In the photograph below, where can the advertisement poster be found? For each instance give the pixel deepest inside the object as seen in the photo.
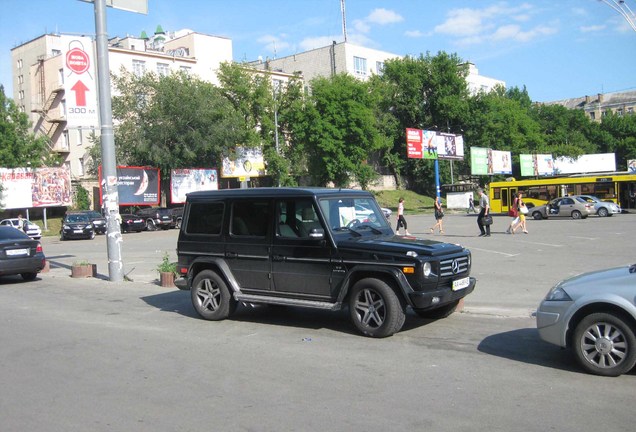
(601, 162)
(414, 143)
(450, 146)
(244, 162)
(536, 165)
(80, 81)
(184, 181)
(35, 187)
(136, 185)
(484, 161)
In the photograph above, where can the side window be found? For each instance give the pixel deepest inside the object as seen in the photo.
(250, 218)
(205, 218)
(296, 218)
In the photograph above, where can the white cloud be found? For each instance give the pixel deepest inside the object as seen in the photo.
(592, 28)
(273, 44)
(496, 23)
(361, 26)
(315, 42)
(413, 34)
(383, 16)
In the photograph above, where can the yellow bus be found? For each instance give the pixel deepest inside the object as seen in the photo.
(617, 187)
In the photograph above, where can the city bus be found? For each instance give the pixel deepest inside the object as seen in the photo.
(617, 187)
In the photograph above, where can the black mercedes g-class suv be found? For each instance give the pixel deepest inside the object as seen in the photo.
(317, 248)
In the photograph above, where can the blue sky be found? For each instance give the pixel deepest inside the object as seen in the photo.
(557, 49)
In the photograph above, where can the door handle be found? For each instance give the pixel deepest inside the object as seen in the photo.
(231, 254)
(278, 258)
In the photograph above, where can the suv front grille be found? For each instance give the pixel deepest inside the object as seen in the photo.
(448, 269)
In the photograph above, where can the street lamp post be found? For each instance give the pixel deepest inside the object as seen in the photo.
(623, 8)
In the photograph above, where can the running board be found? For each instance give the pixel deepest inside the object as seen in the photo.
(251, 298)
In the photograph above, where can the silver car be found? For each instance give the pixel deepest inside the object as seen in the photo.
(570, 206)
(594, 314)
(602, 208)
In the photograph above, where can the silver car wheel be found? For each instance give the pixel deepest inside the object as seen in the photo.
(604, 345)
(370, 308)
(208, 295)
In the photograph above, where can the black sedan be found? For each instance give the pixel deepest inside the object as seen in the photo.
(77, 226)
(132, 222)
(20, 254)
(99, 221)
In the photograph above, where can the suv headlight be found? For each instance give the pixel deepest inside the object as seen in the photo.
(426, 269)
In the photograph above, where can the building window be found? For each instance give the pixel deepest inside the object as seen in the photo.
(592, 115)
(360, 66)
(21, 95)
(55, 52)
(603, 113)
(379, 67)
(19, 63)
(630, 110)
(20, 79)
(139, 67)
(185, 69)
(163, 69)
(60, 74)
(619, 112)
(80, 171)
(64, 144)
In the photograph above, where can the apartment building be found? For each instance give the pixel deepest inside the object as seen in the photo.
(54, 80)
(360, 62)
(597, 107)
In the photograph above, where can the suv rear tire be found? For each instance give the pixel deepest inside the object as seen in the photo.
(211, 297)
(375, 308)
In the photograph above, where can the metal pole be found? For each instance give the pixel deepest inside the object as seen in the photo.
(438, 189)
(110, 196)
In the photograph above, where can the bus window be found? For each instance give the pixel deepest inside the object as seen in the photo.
(504, 198)
(497, 193)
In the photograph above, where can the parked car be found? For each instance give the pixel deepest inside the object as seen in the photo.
(602, 208)
(20, 254)
(594, 314)
(32, 230)
(156, 218)
(132, 222)
(307, 247)
(77, 225)
(570, 206)
(177, 215)
(99, 221)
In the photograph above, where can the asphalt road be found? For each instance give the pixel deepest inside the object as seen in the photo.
(92, 355)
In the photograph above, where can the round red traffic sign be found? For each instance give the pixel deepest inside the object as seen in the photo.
(77, 60)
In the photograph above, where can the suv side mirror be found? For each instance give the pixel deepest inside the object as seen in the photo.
(317, 233)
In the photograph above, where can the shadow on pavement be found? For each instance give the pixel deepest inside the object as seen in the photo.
(524, 345)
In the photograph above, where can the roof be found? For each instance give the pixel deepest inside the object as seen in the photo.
(273, 192)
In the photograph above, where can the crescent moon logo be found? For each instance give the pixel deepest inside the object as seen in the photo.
(143, 186)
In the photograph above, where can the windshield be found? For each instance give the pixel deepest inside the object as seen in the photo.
(354, 213)
(75, 218)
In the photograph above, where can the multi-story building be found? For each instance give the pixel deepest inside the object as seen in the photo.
(45, 68)
(358, 61)
(597, 107)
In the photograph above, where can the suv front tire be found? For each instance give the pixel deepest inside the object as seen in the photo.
(375, 308)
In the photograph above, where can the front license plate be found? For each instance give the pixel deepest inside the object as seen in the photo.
(16, 252)
(460, 284)
(78, 231)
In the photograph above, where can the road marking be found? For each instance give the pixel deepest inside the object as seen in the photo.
(542, 244)
(584, 238)
(495, 252)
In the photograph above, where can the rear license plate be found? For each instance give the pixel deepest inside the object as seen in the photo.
(460, 284)
(16, 252)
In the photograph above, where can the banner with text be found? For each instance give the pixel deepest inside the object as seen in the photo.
(536, 165)
(135, 185)
(80, 81)
(485, 161)
(35, 187)
(425, 144)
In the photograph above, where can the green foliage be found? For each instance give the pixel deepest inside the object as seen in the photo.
(82, 198)
(341, 131)
(18, 145)
(173, 121)
(165, 266)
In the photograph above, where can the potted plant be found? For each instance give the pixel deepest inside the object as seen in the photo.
(167, 271)
(83, 269)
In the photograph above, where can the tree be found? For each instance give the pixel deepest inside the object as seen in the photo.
(341, 131)
(618, 135)
(427, 92)
(172, 121)
(19, 147)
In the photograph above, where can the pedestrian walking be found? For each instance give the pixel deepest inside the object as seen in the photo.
(514, 213)
(439, 216)
(471, 204)
(522, 210)
(401, 222)
(484, 219)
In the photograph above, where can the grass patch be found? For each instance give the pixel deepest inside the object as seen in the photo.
(413, 203)
(54, 224)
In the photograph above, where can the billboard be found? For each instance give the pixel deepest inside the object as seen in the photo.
(536, 165)
(485, 161)
(425, 144)
(80, 81)
(183, 181)
(602, 162)
(35, 187)
(136, 185)
(244, 162)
